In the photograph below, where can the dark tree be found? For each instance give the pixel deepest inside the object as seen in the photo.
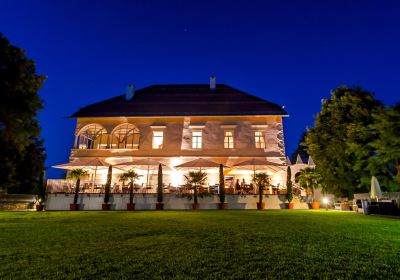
(289, 184)
(221, 184)
(160, 184)
(22, 153)
(107, 187)
(339, 140)
(385, 162)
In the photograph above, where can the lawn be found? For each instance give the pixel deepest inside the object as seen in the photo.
(198, 245)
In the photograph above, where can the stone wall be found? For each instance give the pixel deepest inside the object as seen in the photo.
(171, 202)
(16, 202)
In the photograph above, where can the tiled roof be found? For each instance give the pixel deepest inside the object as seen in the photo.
(183, 100)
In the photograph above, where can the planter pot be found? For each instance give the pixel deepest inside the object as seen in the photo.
(159, 206)
(130, 206)
(315, 205)
(260, 205)
(105, 206)
(74, 207)
(195, 206)
(39, 207)
(222, 206)
(290, 205)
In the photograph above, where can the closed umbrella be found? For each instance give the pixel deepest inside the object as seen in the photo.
(376, 192)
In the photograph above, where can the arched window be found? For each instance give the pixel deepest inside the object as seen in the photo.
(92, 136)
(125, 136)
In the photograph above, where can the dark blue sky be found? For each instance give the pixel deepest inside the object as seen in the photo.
(289, 52)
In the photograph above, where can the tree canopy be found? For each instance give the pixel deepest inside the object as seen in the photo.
(385, 162)
(22, 153)
(349, 142)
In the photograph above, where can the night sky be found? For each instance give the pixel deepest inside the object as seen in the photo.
(288, 52)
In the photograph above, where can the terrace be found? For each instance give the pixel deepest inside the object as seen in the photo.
(88, 187)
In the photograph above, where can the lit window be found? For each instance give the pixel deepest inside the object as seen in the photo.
(259, 139)
(92, 136)
(125, 136)
(196, 139)
(158, 137)
(228, 139)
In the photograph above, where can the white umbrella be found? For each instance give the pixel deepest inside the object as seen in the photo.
(146, 163)
(376, 192)
(86, 164)
(259, 164)
(198, 163)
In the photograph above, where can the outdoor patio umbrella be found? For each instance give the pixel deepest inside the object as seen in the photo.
(376, 192)
(259, 164)
(85, 164)
(198, 163)
(146, 163)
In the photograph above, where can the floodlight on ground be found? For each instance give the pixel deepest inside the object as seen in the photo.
(325, 201)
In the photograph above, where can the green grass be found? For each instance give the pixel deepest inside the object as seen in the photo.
(193, 245)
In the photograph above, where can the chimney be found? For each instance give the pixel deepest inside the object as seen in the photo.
(213, 81)
(130, 92)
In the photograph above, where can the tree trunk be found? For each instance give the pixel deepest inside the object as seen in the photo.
(78, 182)
(260, 193)
(195, 194)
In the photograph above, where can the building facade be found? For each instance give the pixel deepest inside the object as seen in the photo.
(174, 124)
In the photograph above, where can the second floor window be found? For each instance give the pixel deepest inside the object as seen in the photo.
(228, 139)
(92, 136)
(125, 136)
(196, 139)
(158, 138)
(259, 139)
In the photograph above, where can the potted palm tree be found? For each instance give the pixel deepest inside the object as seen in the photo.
(221, 205)
(160, 204)
(310, 180)
(289, 188)
(261, 180)
(76, 174)
(107, 191)
(195, 179)
(130, 176)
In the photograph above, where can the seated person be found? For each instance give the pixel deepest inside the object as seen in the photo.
(237, 186)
